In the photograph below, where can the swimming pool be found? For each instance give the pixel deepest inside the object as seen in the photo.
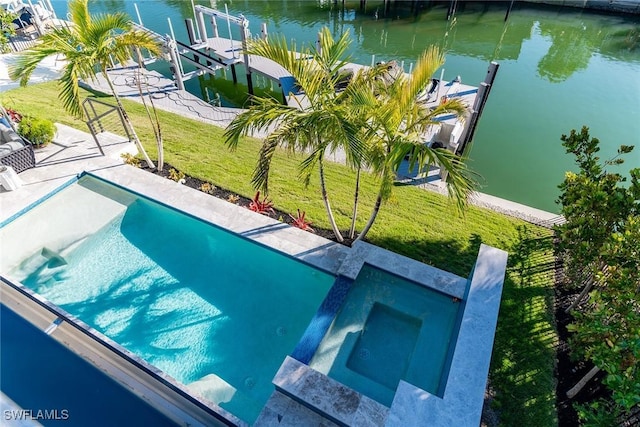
(215, 311)
(35, 373)
(389, 329)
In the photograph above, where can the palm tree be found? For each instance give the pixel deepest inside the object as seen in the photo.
(397, 120)
(320, 122)
(154, 120)
(88, 45)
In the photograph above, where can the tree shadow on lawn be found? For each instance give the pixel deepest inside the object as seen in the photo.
(451, 255)
(522, 368)
(521, 378)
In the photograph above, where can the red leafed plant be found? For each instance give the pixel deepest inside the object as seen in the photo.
(263, 206)
(14, 115)
(300, 222)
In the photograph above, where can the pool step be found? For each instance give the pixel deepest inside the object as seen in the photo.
(43, 259)
(54, 258)
(53, 326)
(328, 398)
(218, 391)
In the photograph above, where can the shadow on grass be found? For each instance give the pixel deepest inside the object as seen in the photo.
(447, 254)
(522, 368)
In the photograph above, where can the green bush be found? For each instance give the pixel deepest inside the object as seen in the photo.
(39, 131)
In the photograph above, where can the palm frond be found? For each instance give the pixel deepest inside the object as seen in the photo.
(460, 180)
(265, 114)
(70, 89)
(308, 165)
(430, 60)
(140, 39)
(260, 179)
(79, 15)
(278, 50)
(332, 55)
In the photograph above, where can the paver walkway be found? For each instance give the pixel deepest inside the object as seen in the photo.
(71, 152)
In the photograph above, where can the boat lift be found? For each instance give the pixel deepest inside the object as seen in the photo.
(199, 39)
(205, 62)
(210, 54)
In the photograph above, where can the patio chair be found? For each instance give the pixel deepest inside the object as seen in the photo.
(15, 151)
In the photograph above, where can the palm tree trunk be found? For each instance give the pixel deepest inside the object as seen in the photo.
(155, 122)
(327, 205)
(136, 140)
(372, 218)
(352, 230)
(376, 207)
(580, 385)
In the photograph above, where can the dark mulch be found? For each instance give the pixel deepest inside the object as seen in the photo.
(568, 371)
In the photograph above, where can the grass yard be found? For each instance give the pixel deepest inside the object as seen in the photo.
(415, 223)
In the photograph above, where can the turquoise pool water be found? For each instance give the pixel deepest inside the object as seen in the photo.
(215, 311)
(36, 373)
(389, 329)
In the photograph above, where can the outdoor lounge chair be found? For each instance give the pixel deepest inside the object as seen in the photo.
(15, 151)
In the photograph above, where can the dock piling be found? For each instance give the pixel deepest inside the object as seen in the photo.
(135, 6)
(197, 32)
(176, 69)
(478, 105)
(245, 38)
(233, 74)
(214, 26)
(202, 27)
(191, 34)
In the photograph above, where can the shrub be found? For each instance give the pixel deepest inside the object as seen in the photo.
(130, 159)
(39, 131)
(176, 175)
(207, 187)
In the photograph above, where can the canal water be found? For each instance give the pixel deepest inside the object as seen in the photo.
(560, 69)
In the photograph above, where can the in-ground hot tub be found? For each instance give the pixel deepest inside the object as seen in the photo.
(389, 329)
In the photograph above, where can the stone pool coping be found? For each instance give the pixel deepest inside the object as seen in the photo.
(307, 247)
(461, 404)
(481, 294)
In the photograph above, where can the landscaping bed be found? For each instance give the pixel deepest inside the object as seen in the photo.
(231, 197)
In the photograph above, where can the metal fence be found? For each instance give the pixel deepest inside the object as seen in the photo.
(104, 120)
(21, 42)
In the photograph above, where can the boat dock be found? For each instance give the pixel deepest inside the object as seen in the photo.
(207, 51)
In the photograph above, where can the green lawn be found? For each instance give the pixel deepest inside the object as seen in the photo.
(415, 223)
